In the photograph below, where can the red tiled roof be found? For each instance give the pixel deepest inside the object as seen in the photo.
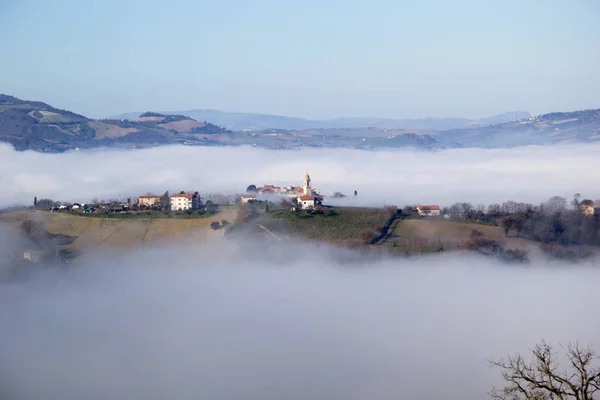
(186, 195)
(249, 196)
(428, 208)
(306, 197)
(269, 188)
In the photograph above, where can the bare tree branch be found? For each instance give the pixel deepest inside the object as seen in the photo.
(542, 378)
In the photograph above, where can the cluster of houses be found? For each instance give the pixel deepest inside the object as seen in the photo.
(181, 201)
(306, 197)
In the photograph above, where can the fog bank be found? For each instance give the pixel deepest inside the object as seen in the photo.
(220, 322)
(530, 174)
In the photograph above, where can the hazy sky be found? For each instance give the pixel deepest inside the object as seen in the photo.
(311, 58)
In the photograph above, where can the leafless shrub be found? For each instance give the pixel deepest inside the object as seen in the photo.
(543, 378)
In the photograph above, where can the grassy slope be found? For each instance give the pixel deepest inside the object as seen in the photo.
(93, 232)
(109, 131)
(413, 235)
(344, 227)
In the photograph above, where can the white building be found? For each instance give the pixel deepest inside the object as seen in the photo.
(148, 200)
(248, 197)
(185, 201)
(307, 201)
(428, 211)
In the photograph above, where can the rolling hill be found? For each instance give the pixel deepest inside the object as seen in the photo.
(33, 125)
(553, 128)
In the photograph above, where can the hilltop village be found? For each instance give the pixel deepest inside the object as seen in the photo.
(506, 230)
(303, 197)
(299, 198)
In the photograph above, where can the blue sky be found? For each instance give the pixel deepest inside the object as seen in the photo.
(311, 58)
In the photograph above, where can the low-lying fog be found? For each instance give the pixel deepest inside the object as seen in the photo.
(529, 174)
(224, 322)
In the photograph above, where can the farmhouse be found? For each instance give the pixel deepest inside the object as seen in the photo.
(148, 201)
(307, 202)
(248, 197)
(185, 201)
(429, 211)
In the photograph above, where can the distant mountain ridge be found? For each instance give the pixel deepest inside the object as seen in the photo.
(34, 125)
(257, 122)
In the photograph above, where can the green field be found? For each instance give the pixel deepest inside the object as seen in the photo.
(343, 227)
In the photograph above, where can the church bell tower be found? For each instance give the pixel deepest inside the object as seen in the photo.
(307, 188)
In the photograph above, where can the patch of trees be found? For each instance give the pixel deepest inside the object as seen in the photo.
(150, 114)
(44, 203)
(251, 189)
(481, 244)
(211, 207)
(166, 118)
(469, 213)
(209, 129)
(566, 227)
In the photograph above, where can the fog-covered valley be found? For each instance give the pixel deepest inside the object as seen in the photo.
(530, 174)
(231, 320)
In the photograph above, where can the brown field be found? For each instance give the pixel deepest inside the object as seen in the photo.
(149, 119)
(183, 126)
(430, 233)
(92, 232)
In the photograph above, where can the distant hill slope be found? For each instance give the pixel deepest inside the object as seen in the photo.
(257, 122)
(554, 128)
(33, 125)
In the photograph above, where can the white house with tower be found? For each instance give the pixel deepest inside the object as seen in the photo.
(309, 199)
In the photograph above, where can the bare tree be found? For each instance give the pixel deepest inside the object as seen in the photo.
(555, 204)
(543, 378)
